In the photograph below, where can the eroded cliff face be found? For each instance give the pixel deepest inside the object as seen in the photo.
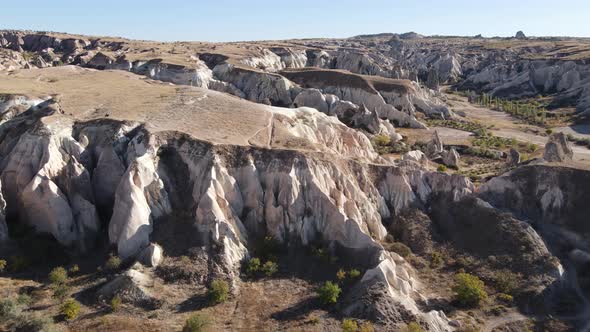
(75, 177)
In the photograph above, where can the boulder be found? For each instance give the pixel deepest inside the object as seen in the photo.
(132, 286)
(513, 158)
(416, 156)
(152, 255)
(558, 149)
(435, 147)
(451, 158)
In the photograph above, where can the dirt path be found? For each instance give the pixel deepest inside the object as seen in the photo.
(510, 127)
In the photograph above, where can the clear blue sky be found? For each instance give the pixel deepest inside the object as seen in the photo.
(232, 20)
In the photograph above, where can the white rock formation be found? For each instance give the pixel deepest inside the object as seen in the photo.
(435, 146)
(152, 255)
(558, 149)
(416, 156)
(451, 158)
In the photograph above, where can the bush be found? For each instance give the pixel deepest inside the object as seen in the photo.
(414, 327)
(549, 131)
(436, 259)
(74, 269)
(354, 273)
(9, 309)
(382, 140)
(505, 298)
(348, 325)
(506, 281)
(469, 289)
(38, 322)
(58, 276)
(185, 260)
(2, 265)
(340, 275)
(116, 303)
(218, 291)
(270, 268)
(113, 263)
(196, 323)
(314, 320)
(70, 309)
(329, 293)
(24, 299)
(366, 327)
(401, 249)
(253, 267)
(441, 168)
(61, 292)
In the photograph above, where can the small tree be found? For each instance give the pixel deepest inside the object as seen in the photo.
(218, 291)
(196, 323)
(70, 309)
(253, 267)
(329, 293)
(2, 265)
(270, 268)
(348, 325)
(58, 276)
(469, 289)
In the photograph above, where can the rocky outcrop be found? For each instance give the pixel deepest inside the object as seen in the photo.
(435, 146)
(416, 156)
(558, 149)
(451, 158)
(136, 286)
(513, 157)
(520, 35)
(3, 226)
(152, 255)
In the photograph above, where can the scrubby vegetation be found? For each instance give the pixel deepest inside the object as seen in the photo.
(113, 263)
(196, 323)
(70, 309)
(469, 289)
(530, 111)
(270, 268)
(2, 265)
(383, 145)
(506, 281)
(349, 325)
(58, 276)
(116, 303)
(218, 291)
(414, 327)
(329, 293)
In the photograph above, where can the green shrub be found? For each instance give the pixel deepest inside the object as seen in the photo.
(367, 327)
(61, 292)
(2, 265)
(505, 298)
(70, 309)
(74, 269)
(185, 260)
(414, 327)
(58, 276)
(436, 259)
(24, 299)
(329, 293)
(401, 249)
(549, 131)
(253, 267)
(270, 268)
(340, 275)
(348, 325)
(116, 303)
(382, 140)
(354, 273)
(469, 289)
(314, 320)
(441, 168)
(9, 309)
(218, 291)
(506, 281)
(113, 263)
(196, 323)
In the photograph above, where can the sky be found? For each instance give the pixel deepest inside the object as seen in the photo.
(239, 20)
